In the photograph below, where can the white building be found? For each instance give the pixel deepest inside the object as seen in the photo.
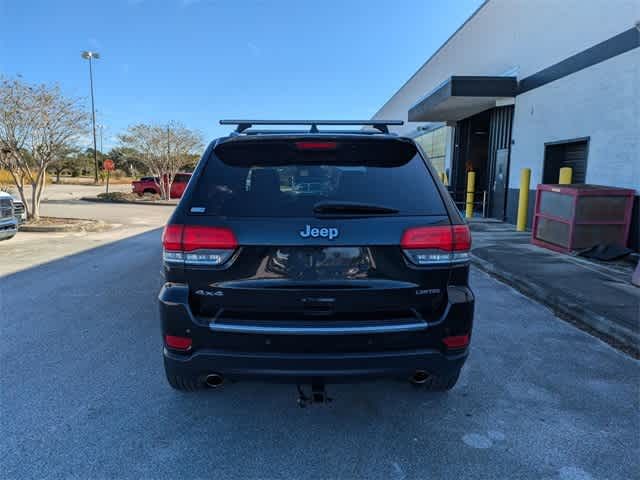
(539, 84)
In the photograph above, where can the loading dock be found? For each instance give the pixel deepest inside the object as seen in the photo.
(481, 111)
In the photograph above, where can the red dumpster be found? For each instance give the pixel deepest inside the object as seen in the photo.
(575, 217)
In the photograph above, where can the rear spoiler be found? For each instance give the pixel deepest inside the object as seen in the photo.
(282, 150)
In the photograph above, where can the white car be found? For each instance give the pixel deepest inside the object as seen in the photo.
(8, 220)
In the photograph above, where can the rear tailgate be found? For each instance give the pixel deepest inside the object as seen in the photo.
(277, 272)
(291, 263)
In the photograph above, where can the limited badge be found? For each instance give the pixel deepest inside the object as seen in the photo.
(428, 291)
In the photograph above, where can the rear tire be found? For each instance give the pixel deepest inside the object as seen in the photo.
(441, 383)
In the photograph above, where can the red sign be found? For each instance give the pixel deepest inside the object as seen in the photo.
(108, 165)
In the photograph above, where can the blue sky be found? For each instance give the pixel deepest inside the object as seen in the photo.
(198, 61)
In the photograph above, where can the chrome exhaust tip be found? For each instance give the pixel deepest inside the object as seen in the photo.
(419, 377)
(214, 380)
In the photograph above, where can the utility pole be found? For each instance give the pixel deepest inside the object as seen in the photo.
(88, 55)
(100, 126)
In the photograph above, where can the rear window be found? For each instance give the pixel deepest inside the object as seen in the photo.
(279, 179)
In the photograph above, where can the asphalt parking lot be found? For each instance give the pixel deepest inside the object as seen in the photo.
(82, 394)
(28, 249)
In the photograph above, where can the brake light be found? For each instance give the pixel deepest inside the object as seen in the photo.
(316, 145)
(456, 342)
(178, 343)
(461, 238)
(172, 237)
(195, 238)
(428, 237)
(197, 245)
(437, 245)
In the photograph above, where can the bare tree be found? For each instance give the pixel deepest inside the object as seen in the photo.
(37, 126)
(164, 149)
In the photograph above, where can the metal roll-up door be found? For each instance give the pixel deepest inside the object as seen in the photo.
(576, 157)
(566, 154)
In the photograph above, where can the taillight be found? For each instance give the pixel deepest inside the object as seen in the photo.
(197, 245)
(172, 237)
(316, 145)
(196, 238)
(177, 343)
(461, 238)
(437, 245)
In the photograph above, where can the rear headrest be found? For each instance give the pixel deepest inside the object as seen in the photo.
(265, 181)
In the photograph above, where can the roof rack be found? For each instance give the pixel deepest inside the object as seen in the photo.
(257, 132)
(243, 125)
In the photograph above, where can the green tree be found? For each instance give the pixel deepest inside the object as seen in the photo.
(65, 161)
(128, 160)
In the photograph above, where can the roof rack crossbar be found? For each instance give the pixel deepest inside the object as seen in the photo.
(381, 125)
(252, 131)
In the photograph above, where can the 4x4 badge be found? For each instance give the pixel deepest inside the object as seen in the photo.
(209, 293)
(316, 232)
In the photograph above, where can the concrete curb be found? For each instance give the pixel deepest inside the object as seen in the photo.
(585, 319)
(132, 202)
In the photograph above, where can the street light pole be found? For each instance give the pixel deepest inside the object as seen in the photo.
(88, 55)
(168, 194)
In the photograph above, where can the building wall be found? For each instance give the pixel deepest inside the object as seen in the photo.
(601, 102)
(518, 37)
(522, 37)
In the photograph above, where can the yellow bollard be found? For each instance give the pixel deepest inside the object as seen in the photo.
(471, 188)
(523, 199)
(441, 175)
(565, 176)
(445, 178)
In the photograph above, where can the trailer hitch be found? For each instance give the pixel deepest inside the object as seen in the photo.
(318, 395)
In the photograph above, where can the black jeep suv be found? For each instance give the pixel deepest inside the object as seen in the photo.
(361, 271)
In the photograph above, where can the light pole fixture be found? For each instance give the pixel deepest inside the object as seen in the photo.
(89, 55)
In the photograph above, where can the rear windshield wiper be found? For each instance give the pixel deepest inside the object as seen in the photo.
(352, 208)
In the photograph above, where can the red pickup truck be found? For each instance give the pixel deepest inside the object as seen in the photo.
(150, 185)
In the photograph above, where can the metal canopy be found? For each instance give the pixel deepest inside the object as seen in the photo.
(461, 97)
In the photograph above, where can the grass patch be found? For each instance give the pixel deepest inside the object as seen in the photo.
(7, 179)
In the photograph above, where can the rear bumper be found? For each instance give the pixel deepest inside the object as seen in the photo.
(336, 358)
(302, 368)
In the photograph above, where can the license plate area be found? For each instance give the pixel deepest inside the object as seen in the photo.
(318, 306)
